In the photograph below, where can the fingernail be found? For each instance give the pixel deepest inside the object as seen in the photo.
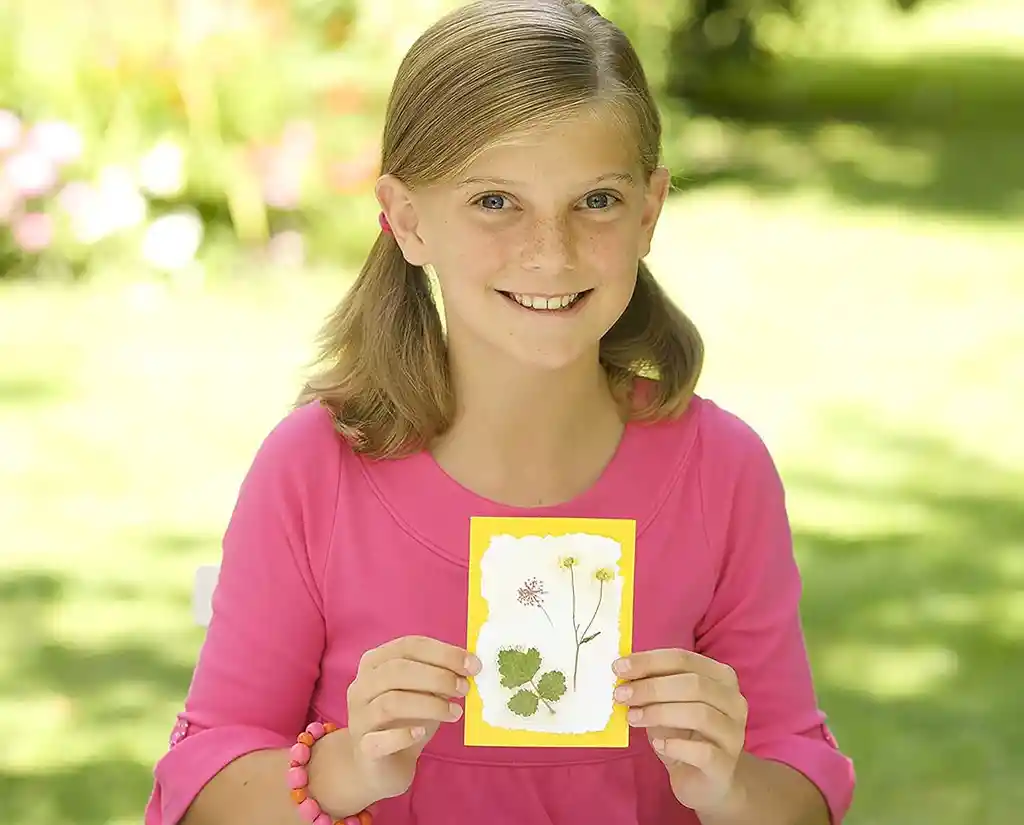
(621, 667)
(659, 745)
(455, 711)
(623, 693)
(634, 715)
(473, 665)
(462, 687)
(418, 733)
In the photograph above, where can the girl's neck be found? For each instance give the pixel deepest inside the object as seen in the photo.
(530, 438)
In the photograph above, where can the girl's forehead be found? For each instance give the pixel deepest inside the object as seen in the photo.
(583, 146)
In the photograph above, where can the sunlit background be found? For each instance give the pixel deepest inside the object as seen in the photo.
(185, 191)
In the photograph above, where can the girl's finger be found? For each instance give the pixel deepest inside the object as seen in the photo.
(381, 743)
(705, 756)
(665, 662)
(409, 675)
(703, 719)
(400, 706)
(683, 687)
(422, 649)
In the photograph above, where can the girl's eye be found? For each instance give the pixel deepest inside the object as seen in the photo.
(493, 203)
(600, 200)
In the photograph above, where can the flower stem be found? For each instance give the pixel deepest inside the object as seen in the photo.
(575, 628)
(600, 595)
(579, 638)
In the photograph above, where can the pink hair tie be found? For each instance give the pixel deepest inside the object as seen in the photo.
(298, 779)
(384, 225)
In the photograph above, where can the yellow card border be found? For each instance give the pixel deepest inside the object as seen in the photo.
(482, 529)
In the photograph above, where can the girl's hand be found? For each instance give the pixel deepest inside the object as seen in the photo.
(695, 717)
(401, 695)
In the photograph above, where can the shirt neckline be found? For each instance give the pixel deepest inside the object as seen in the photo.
(435, 509)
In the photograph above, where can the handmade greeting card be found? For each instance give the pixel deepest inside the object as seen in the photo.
(550, 610)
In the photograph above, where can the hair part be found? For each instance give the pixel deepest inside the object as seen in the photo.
(480, 75)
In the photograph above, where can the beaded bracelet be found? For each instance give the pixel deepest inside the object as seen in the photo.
(298, 779)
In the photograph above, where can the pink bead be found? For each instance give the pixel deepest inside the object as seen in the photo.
(352, 820)
(300, 753)
(323, 819)
(309, 810)
(297, 778)
(316, 730)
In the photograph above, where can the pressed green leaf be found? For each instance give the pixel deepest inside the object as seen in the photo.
(590, 638)
(517, 667)
(524, 703)
(551, 686)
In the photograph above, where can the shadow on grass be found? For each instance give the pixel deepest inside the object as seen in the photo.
(24, 390)
(936, 133)
(94, 793)
(918, 635)
(115, 689)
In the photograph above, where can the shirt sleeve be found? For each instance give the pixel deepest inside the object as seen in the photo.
(253, 684)
(753, 624)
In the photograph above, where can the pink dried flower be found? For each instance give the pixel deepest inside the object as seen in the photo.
(532, 594)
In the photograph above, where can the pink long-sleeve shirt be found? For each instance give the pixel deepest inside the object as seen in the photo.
(329, 554)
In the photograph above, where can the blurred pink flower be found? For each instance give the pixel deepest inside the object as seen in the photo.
(61, 142)
(10, 130)
(76, 197)
(33, 232)
(357, 173)
(287, 249)
(83, 204)
(9, 201)
(31, 173)
(299, 138)
(282, 187)
(284, 166)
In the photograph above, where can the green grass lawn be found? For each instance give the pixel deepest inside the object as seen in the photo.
(860, 288)
(873, 350)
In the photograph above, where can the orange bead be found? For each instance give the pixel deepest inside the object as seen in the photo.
(365, 818)
(306, 739)
(299, 796)
(330, 727)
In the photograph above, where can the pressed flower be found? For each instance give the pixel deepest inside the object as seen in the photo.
(604, 574)
(531, 594)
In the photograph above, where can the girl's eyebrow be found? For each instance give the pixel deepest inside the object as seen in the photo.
(621, 177)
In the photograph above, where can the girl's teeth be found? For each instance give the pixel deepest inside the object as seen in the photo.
(537, 302)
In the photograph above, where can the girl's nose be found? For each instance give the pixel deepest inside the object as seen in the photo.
(549, 248)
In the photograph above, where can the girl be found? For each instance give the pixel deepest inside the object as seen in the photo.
(521, 165)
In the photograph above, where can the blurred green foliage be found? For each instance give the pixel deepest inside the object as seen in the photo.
(159, 133)
(250, 119)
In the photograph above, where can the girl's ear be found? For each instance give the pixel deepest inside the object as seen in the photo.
(396, 202)
(654, 200)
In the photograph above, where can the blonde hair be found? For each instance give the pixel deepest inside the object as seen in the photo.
(483, 72)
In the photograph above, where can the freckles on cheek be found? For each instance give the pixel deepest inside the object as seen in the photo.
(606, 250)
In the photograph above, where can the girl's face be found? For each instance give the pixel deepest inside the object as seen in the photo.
(536, 244)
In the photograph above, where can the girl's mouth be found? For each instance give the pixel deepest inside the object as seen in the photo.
(548, 303)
